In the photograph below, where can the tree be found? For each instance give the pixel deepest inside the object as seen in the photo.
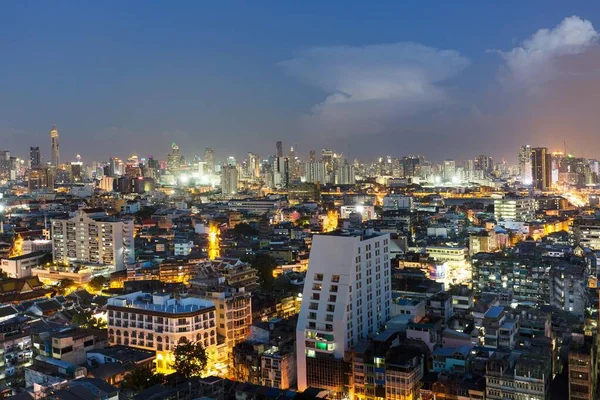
(86, 320)
(244, 229)
(145, 213)
(141, 378)
(97, 283)
(264, 264)
(190, 359)
(65, 286)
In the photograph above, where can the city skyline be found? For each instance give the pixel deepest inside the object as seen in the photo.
(241, 80)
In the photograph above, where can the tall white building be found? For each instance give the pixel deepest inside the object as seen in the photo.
(346, 298)
(92, 236)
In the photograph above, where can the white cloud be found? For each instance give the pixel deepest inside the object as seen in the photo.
(369, 86)
(535, 60)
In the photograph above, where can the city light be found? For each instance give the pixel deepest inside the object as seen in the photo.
(214, 249)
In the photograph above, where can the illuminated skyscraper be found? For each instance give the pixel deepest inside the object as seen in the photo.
(279, 147)
(253, 166)
(525, 164)
(541, 168)
(174, 160)
(55, 146)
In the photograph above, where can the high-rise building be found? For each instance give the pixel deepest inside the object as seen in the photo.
(92, 236)
(279, 148)
(449, 170)
(55, 146)
(281, 172)
(40, 178)
(35, 158)
(541, 168)
(253, 166)
(346, 299)
(312, 155)
(515, 209)
(484, 163)
(315, 172)
(209, 158)
(229, 179)
(345, 175)
(174, 160)
(5, 165)
(525, 164)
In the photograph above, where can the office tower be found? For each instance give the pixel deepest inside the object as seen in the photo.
(35, 158)
(449, 170)
(229, 180)
(209, 158)
(279, 147)
(541, 168)
(174, 160)
(55, 146)
(312, 155)
(525, 164)
(292, 165)
(346, 298)
(93, 237)
(76, 167)
(40, 178)
(253, 166)
(409, 165)
(281, 172)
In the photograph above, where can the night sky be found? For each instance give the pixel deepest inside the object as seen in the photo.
(443, 79)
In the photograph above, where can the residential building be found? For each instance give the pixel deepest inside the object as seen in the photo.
(515, 209)
(347, 297)
(159, 322)
(92, 236)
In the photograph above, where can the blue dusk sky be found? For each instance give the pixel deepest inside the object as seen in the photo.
(446, 79)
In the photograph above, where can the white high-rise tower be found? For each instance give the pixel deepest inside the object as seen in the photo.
(347, 296)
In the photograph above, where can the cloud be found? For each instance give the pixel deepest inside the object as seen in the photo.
(369, 87)
(535, 61)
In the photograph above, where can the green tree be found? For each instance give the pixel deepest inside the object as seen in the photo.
(264, 264)
(97, 283)
(190, 359)
(141, 378)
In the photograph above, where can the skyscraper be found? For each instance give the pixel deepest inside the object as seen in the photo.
(541, 168)
(35, 157)
(229, 179)
(55, 146)
(346, 299)
(525, 164)
(279, 146)
(253, 166)
(174, 160)
(281, 172)
(449, 170)
(209, 158)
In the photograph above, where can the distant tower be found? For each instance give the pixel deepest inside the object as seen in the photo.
(35, 157)
(279, 146)
(55, 146)
(209, 158)
(541, 168)
(174, 160)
